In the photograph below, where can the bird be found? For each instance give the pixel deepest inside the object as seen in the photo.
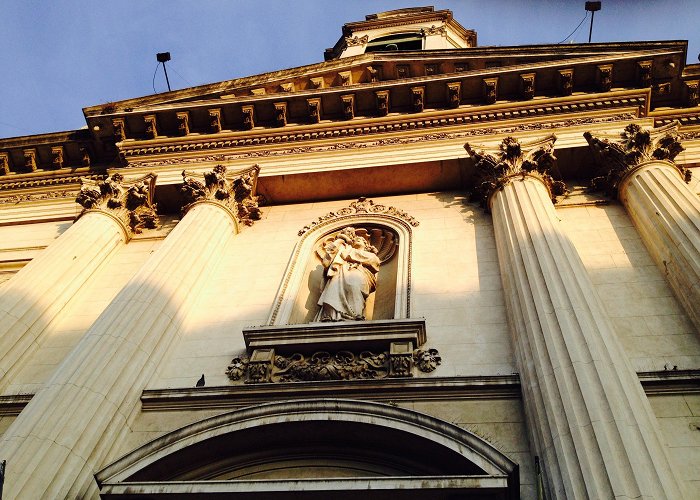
(200, 382)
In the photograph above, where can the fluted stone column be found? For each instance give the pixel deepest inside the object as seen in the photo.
(589, 420)
(114, 209)
(66, 432)
(666, 212)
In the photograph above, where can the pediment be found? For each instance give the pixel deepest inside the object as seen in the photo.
(328, 75)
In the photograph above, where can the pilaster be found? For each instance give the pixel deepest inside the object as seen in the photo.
(638, 168)
(29, 302)
(65, 434)
(589, 421)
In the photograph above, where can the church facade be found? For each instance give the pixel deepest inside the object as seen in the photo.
(418, 269)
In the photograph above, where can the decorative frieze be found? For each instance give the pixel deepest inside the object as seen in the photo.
(151, 126)
(565, 81)
(280, 114)
(418, 98)
(432, 69)
(360, 130)
(527, 85)
(382, 97)
(403, 71)
(248, 113)
(131, 202)
(496, 168)
(234, 191)
(348, 106)
(265, 366)
(57, 160)
(260, 91)
(30, 160)
(489, 89)
(314, 110)
(635, 145)
(287, 87)
(454, 94)
(215, 120)
(361, 206)
(183, 122)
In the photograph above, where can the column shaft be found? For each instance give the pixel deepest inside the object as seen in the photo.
(65, 433)
(40, 290)
(589, 419)
(666, 214)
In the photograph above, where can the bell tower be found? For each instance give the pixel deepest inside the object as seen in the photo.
(411, 29)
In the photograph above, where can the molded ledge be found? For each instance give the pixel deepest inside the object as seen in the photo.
(343, 335)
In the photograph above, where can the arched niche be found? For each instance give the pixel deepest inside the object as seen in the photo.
(296, 301)
(296, 449)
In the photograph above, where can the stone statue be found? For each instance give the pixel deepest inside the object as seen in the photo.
(350, 276)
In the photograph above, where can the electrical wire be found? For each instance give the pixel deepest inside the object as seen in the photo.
(182, 77)
(577, 27)
(154, 78)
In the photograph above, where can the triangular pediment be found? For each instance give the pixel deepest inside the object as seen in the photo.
(333, 74)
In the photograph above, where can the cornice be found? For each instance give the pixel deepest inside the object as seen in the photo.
(45, 180)
(365, 127)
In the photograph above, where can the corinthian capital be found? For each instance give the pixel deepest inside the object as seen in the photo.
(619, 155)
(131, 202)
(233, 190)
(511, 160)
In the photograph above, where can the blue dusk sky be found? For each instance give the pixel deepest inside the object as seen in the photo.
(60, 56)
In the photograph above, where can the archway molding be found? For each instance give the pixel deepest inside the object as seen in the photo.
(143, 468)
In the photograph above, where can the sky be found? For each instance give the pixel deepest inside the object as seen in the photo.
(60, 56)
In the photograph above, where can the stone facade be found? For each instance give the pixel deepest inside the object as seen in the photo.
(532, 327)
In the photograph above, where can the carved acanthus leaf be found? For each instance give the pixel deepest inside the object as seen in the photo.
(618, 155)
(233, 190)
(495, 169)
(130, 201)
(361, 206)
(264, 366)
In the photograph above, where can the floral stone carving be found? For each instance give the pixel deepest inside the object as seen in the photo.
(130, 201)
(635, 145)
(361, 206)
(234, 190)
(264, 366)
(510, 161)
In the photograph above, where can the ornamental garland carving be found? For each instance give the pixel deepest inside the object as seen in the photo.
(356, 40)
(494, 171)
(233, 190)
(130, 201)
(361, 206)
(437, 136)
(264, 366)
(634, 146)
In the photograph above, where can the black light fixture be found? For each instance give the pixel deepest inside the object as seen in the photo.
(163, 57)
(592, 7)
